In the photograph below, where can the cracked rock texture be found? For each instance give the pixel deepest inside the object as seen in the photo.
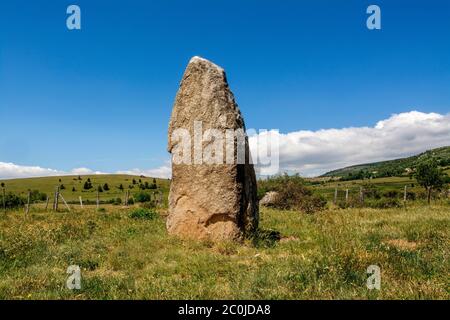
(210, 201)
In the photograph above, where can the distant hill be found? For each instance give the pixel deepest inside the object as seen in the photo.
(389, 168)
(72, 187)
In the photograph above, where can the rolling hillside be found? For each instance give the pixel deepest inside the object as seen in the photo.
(74, 187)
(390, 168)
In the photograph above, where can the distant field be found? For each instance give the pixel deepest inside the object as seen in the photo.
(321, 256)
(383, 184)
(48, 185)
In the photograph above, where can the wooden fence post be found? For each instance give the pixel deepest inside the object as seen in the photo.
(28, 203)
(56, 203)
(361, 195)
(98, 200)
(4, 199)
(68, 208)
(346, 195)
(126, 198)
(46, 202)
(81, 202)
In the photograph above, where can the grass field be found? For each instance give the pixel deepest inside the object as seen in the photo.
(48, 185)
(324, 255)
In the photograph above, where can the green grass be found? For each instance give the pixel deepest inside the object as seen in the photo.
(48, 184)
(397, 165)
(323, 255)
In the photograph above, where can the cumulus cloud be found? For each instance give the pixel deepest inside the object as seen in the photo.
(312, 153)
(13, 171)
(10, 170)
(315, 152)
(164, 171)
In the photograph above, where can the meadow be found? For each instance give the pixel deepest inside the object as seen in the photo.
(320, 256)
(73, 186)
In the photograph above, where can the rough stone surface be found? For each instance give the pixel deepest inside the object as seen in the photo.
(209, 201)
(269, 198)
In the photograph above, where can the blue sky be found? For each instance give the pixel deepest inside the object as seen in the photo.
(101, 97)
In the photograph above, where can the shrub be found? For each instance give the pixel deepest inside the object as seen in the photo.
(265, 238)
(391, 194)
(294, 195)
(35, 195)
(143, 213)
(142, 197)
(130, 201)
(87, 185)
(290, 192)
(14, 201)
(410, 195)
(117, 201)
(148, 205)
(385, 203)
(371, 191)
(311, 204)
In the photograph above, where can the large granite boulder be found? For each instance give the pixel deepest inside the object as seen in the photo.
(209, 198)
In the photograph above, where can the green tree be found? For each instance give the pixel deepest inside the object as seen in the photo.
(430, 176)
(100, 189)
(121, 187)
(3, 184)
(106, 187)
(87, 185)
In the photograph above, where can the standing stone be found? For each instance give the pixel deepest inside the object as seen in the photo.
(210, 201)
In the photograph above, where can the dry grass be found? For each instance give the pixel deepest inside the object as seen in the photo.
(321, 256)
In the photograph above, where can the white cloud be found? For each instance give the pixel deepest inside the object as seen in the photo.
(164, 171)
(10, 170)
(315, 152)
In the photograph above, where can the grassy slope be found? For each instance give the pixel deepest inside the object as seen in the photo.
(327, 257)
(443, 153)
(48, 185)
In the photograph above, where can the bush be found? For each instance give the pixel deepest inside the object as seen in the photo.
(392, 194)
(265, 238)
(371, 191)
(13, 201)
(37, 196)
(410, 196)
(148, 205)
(313, 203)
(293, 194)
(384, 203)
(142, 213)
(117, 201)
(142, 197)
